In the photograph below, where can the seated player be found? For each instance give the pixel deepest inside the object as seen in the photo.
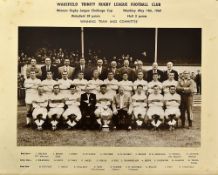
(154, 82)
(31, 85)
(40, 102)
(139, 103)
(122, 110)
(127, 85)
(169, 82)
(140, 81)
(72, 114)
(56, 105)
(112, 84)
(80, 82)
(95, 82)
(48, 84)
(103, 112)
(172, 113)
(64, 84)
(155, 112)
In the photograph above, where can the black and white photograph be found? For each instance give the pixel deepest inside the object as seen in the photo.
(109, 87)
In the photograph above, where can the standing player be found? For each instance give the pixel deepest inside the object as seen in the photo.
(72, 114)
(40, 103)
(154, 82)
(111, 83)
(103, 111)
(64, 84)
(31, 85)
(139, 103)
(56, 105)
(155, 112)
(95, 83)
(172, 113)
(169, 82)
(80, 83)
(48, 84)
(140, 81)
(127, 85)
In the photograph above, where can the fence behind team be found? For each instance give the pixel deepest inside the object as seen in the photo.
(109, 86)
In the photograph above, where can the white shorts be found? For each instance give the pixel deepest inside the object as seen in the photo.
(139, 110)
(155, 111)
(174, 111)
(42, 111)
(72, 110)
(29, 98)
(58, 111)
(105, 113)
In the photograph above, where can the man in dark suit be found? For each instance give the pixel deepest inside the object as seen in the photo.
(101, 69)
(156, 71)
(82, 67)
(87, 107)
(126, 69)
(113, 68)
(170, 70)
(49, 68)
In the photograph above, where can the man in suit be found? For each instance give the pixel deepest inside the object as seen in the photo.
(82, 67)
(198, 81)
(66, 68)
(33, 67)
(185, 88)
(113, 68)
(126, 69)
(154, 70)
(139, 68)
(87, 107)
(49, 68)
(101, 69)
(122, 110)
(170, 70)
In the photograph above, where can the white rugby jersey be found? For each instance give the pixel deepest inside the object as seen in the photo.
(95, 85)
(48, 85)
(127, 85)
(168, 83)
(80, 84)
(104, 99)
(152, 84)
(40, 101)
(171, 100)
(73, 99)
(111, 84)
(139, 100)
(142, 82)
(56, 101)
(64, 84)
(31, 85)
(158, 100)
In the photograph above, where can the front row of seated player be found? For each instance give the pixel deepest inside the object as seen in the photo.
(90, 111)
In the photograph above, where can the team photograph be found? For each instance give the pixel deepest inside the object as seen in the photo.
(121, 87)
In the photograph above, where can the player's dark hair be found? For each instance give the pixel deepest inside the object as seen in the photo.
(139, 85)
(72, 86)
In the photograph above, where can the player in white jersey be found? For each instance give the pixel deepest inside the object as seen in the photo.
(140, 81)
(139, 103)
(154, 82)
(95, 83)
(169, 82)
(31, 85)
(80, 83)
(56, 105)
(64, 84)
(172, 101)
(155, 112)
(48, 84)
(127, 85)
(40, 102)
(72, 114)
(103, 111)
(112, 84)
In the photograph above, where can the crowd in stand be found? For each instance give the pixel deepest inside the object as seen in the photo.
(97, 93)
